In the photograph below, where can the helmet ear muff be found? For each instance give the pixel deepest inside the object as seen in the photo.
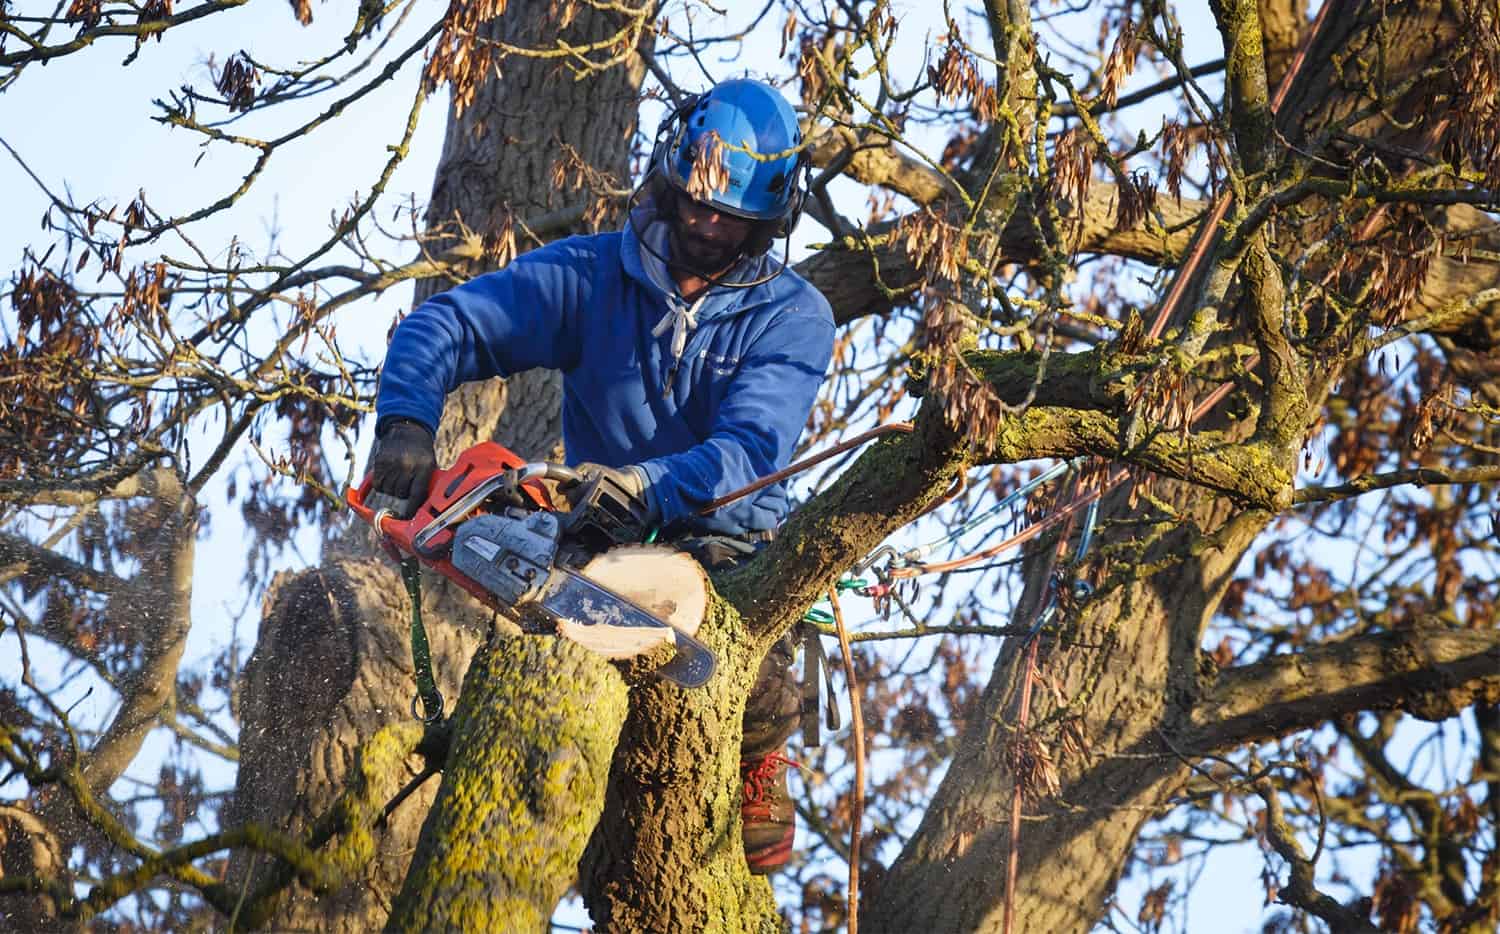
(783, 226)
(669, 133)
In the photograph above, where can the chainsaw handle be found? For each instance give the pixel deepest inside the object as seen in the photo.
(484, 460)
(558, 473)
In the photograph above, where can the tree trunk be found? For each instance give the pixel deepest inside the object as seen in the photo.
(1115, 712)
(331, 668)
(1123, 676)
(332, 663)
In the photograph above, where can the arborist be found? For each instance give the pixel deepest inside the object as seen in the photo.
(691, 357)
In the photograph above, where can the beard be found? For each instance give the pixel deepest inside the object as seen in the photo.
(700, 255)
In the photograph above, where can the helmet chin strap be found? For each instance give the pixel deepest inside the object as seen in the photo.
(715, 280)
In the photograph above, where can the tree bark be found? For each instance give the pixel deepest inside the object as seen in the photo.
(532, 740)
(331, 668)
(332, 663)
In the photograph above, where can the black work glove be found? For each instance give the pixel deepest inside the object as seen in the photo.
(629, 482)
(401, 466)
(608, 506)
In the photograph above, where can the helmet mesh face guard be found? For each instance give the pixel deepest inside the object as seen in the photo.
(736, 149)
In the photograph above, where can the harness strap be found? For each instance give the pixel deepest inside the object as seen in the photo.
(814, 660)
(428, 695)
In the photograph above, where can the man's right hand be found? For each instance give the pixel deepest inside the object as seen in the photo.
(401, 466)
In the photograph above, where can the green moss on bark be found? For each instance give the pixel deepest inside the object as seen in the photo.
(533, 736)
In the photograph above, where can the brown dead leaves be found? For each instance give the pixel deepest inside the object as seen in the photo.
(44, 390)
(458, 57)
(86, 12)
(237, 81)
(499, 241)
(956, 77)
(1072, 168)
(709, 175)
(934, 245)
(1474, 136)
(1136, 199)
(1031, 765)
(1178, 145)
(1121, 63)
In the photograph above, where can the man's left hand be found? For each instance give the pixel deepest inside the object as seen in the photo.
(629, 481)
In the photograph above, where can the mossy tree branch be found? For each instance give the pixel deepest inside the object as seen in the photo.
(1429, 671)
(536, 726)
(890, 485)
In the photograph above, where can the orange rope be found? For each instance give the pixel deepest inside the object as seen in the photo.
(857, 811)
(1012, 862)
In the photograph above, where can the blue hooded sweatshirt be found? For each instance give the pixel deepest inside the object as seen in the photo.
(704, 397)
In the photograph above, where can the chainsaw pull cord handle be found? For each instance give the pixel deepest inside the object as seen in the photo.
(428, 695)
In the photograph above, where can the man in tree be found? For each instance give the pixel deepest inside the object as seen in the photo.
(690, 360)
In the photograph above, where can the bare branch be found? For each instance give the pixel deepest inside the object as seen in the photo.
(1300, 890)
(18, 555)
(1417, 476)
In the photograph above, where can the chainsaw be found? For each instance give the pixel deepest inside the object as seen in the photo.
(489, 524)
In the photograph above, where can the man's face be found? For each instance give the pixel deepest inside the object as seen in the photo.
(706, 240)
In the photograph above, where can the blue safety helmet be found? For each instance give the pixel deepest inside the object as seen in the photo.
(749, 116)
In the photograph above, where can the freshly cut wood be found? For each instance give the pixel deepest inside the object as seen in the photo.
(666, 583)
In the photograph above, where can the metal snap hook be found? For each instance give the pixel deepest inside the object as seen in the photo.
(435, 716)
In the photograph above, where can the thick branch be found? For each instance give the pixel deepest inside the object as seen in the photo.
(871, 276)
(1245, 74)
(18, 554)
(880, 162)
(1428, 671)
(162, 482)
(157, 604)
(1086, 413)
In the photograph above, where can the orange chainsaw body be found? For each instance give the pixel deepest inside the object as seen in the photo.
(475, 466)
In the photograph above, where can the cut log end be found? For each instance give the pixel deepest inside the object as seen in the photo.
(666, 583)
